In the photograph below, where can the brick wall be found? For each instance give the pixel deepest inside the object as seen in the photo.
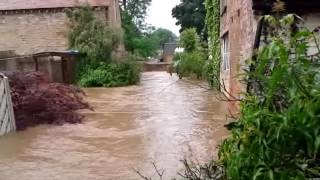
(37, 31)
(32, 33)
(240, 24)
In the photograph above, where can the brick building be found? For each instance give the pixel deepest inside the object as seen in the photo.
(33, 26)
(238, 30)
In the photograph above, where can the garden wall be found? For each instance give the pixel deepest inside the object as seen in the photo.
(54, 67)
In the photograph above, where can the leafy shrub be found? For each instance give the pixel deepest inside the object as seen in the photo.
(278, 133)
(36, 101)
(189, 64)
(94, 39)
(190, 40)
(145, 46)
(96, 42)
(111, 75)
(192, 61)
(90, 35)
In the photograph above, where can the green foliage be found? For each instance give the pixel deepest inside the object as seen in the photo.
(162, 36)
(189, 40)
(191, 14)
(90, 36)
(138, 38)
(96, 42)
(134, 11)
(213, 26)
(111, 75)
(133, 14)
(190, 64)
(131, 31)
(145, 46)
(278, 132)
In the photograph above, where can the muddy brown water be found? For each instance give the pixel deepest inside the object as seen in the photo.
(163, 120)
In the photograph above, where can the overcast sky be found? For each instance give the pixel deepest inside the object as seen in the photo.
(159, 14)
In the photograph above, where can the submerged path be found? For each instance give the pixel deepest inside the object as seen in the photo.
(162, 120)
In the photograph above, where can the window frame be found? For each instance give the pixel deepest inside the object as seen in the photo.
(225, 52)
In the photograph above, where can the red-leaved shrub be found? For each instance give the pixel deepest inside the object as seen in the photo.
(37, 101)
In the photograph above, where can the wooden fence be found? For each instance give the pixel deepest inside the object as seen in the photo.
(7, 120)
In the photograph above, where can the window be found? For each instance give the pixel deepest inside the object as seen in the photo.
(225, 52)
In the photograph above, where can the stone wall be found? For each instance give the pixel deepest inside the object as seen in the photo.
(28, 32)
(52, 66)
(34, 32)
(155, 67)
(168, 58)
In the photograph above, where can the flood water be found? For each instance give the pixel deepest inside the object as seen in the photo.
(163, 120)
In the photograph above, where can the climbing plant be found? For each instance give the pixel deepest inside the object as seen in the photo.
(96, 41)
(213, 25)
(91, 36)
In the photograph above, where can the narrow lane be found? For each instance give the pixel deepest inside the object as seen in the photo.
(162, 120)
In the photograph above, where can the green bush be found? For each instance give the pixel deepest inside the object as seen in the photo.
(190, 64)
(96, 41)
(278, 132)
(90, 36)
(111, 75)
(192, 61)
(189, 40)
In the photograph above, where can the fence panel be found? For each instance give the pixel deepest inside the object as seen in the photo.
(7, 120)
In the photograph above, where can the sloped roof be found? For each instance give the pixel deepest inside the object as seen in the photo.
(48, 4)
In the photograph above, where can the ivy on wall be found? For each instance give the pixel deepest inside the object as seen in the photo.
(213, 25)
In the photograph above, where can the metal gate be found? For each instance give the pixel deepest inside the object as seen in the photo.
(7, 121)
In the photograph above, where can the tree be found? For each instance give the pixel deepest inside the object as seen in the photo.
(133, 13)
(149, 42)
(145, 46)
(191, 14)
(163, 36)
(91, 36)
(189, 40)
(136, 10)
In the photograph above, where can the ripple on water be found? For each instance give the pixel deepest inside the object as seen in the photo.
(162, 120)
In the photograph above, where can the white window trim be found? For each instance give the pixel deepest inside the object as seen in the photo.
(225, 53)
